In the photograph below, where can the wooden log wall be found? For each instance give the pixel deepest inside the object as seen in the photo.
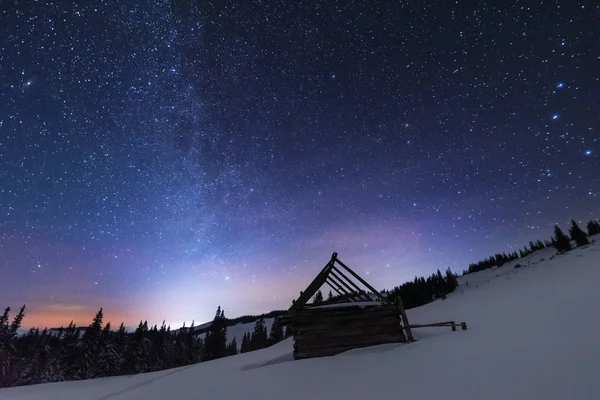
(322, 332)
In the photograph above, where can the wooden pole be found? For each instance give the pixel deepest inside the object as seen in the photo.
(361, 280)
(313, 287)
(405, 323)
(358, 290)
(335, 278)
(345, 293)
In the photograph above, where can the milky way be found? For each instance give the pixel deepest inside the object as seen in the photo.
(163, 158)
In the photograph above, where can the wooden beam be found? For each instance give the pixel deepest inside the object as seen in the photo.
(313, 287)
(450, 324)
(334, 288)
(335, 271)
(331, 334)
(361, 280)
(405, 323)
(344, 294)
(381, 338)
(339, 281)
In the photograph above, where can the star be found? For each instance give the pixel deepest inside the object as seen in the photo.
(170, 149)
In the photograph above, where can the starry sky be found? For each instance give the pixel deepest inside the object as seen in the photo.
(160, 158)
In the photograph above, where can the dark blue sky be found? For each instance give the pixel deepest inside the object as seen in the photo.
(161, 158)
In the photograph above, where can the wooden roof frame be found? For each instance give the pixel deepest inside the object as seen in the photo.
(339, 282)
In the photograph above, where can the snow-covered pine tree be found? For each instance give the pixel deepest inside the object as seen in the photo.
(109, 358)
(52, 370)
(69, 352)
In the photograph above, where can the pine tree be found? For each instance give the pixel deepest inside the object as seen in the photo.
(579, 236)
(215, 342)
(245, 346)
(16, 324)
(90, 348)
(330, 296)
(276, 334)
(259, 336)
(318, 298)
(561, 241)
(451, 281)
(593, 228)
(4, 322)
(109, 358)
(232, 348)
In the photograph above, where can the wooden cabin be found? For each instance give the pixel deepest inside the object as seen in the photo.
(365, 318)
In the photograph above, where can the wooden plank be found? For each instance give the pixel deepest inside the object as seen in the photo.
(302, 336)
(361, 280)
(333, 287)
(350, 341)
(349, 309)
(359, 292)
(345, 323)
(433, 325)
(339, 281)
(312, 287)
(325, 327)
(342, 320)
(450, 324)
(346, 293)
(405, 323)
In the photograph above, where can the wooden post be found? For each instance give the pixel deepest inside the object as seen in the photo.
(409, 336)
(453, 325)
(463, 325)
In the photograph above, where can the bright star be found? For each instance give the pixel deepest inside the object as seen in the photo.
(560, 85)
(555, 116)
(588, 152)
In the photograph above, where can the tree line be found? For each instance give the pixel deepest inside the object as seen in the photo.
(560, 241)
(75, 353)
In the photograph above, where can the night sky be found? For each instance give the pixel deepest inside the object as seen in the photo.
(162, 158)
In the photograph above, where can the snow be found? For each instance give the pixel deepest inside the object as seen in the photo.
(532, 334)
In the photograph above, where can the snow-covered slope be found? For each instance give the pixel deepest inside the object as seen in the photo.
(533, 334)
